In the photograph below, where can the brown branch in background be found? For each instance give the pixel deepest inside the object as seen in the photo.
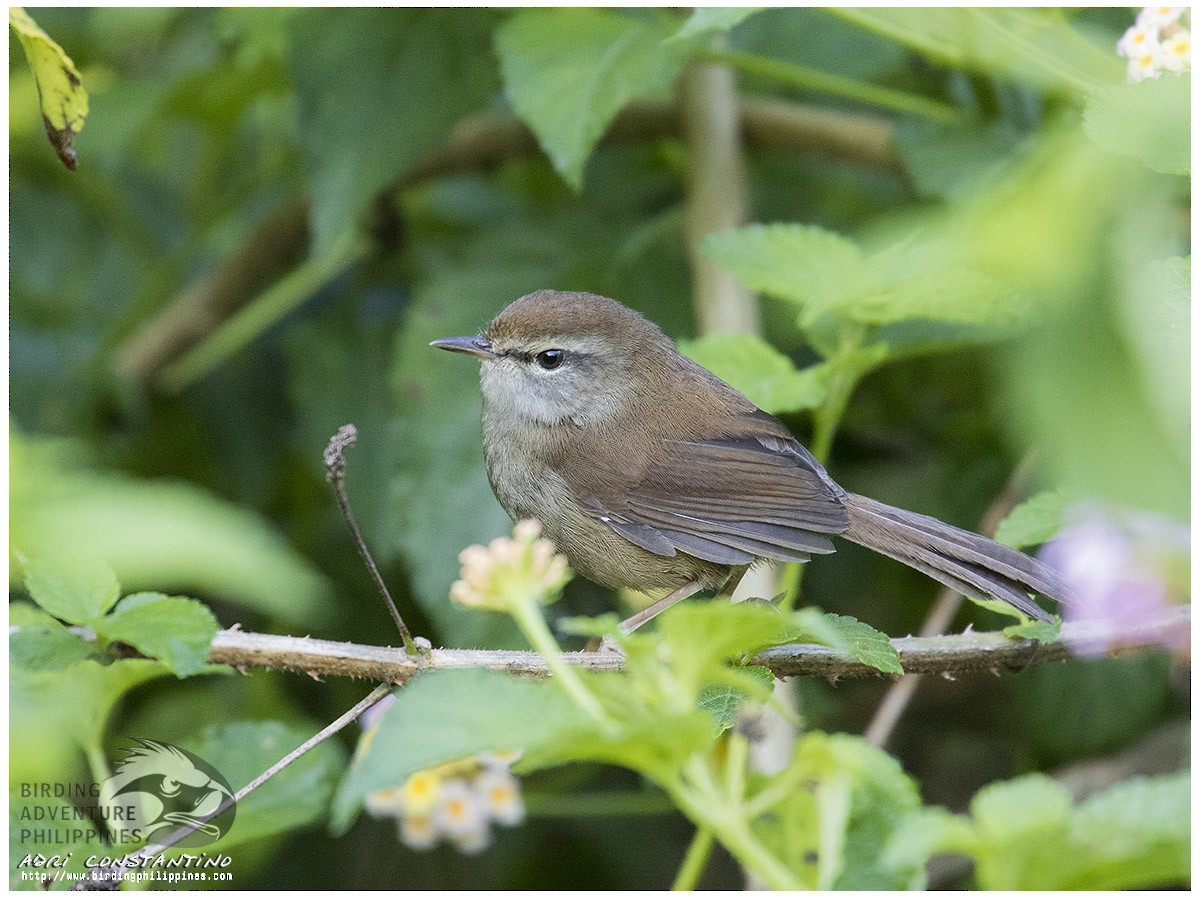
(272, 250)
(945, 608)
(780, 126)
(479, 143)
(716, 195)
(1164, 750)
(946, 654)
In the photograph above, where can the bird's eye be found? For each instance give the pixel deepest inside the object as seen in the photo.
(550, 359)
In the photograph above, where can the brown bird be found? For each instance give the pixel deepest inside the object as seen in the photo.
(647, 471)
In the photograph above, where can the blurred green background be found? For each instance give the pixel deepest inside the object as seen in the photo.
(264, 231)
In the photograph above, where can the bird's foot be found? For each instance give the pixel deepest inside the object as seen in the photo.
(608, 645)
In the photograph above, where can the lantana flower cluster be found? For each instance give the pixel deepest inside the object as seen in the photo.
(1160, 40)
(509, 570)
(456, 803)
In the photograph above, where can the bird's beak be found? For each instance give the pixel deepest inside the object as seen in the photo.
(476, 346)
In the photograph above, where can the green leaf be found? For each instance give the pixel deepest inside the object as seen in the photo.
(854, 801)
(698, 638)
(824, 273)
(296, 797)
(882, 798)
(927, 832)
(1035, 521)
(1149, 121)
(767, 377)
(948, 161)
(652, 738)
(177, 631)
(1032, 45)
(677, 688)
(1155, 320)
(64, 101)
(1002, 608)
(868, 645)
(1135, 834)
(447, 715)
(722, 701)
(21, 614)
(921, 337)
(46, 647)
(77, 589)
(78, 698)
(803, 264)
(1027, 835)
(53, 693)
(159, 534)
(366, 120)
(809, 36)
(604, 625)
(1028, 816)
(917, 279)
(568, 72)
(847, 634)
(706, 21)
(1034, 803)
(1035, 631)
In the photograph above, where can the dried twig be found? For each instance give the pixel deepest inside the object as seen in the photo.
(335, 473)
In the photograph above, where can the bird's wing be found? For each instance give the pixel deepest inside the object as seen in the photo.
(726, 500)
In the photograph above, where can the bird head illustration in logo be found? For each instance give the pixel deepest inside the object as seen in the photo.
(159, 788)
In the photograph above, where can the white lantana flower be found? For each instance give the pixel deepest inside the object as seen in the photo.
(460, 814)
(473, 842)
(1145, 65)
(501, 796)
(1160, 16)
(1176, 53)
(420, 793)
(498, 759)
(418, 833)
(1138, 40)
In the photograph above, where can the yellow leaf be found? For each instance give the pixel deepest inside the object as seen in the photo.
(64, 101)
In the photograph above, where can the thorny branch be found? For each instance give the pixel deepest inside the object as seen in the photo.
(948, 655)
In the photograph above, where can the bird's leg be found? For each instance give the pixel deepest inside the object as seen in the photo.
(735, 578)
(645, 615)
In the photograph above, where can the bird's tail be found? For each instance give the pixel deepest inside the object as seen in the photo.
(970, 563)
